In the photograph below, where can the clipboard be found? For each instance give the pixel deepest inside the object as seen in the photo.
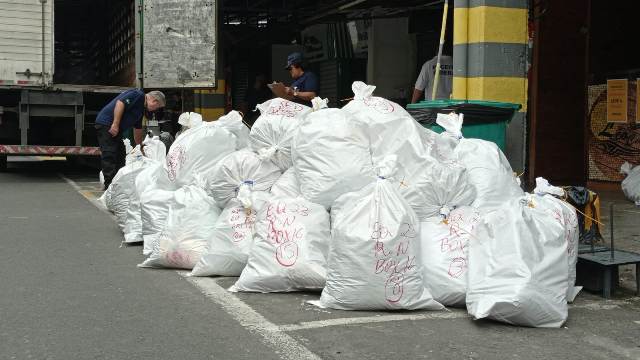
(278, 89)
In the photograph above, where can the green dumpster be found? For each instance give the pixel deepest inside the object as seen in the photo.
(485, 120)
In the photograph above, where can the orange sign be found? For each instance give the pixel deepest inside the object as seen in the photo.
(617, 92)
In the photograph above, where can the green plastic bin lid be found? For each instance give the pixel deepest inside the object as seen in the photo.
(427, 104)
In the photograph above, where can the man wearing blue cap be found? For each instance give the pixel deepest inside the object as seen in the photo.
(305, 83)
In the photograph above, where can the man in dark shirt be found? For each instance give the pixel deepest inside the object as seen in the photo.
(124, 112)
(305, 83)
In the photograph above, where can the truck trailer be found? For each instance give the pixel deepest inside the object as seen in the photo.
(62, 60)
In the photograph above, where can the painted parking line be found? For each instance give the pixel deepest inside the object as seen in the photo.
(449, 315)
(271, 334)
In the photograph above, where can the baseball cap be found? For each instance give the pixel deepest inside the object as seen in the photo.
(293, 59)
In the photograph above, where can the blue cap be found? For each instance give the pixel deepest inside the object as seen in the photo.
(293, 59)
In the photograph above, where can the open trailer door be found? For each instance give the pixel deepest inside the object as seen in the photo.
(178, 43)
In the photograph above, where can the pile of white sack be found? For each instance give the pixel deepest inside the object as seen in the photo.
(362, 204)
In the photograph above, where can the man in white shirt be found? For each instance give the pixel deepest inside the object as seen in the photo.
(424, 83)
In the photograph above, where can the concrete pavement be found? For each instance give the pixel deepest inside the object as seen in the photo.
(68, 291)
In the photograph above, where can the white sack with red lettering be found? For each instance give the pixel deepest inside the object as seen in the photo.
(272, 133)
(489, 171)
(290, 248)
(287, 185)
(232, 122)
(228, 247)
(240, 173)
(331, 156)
(374, 259)
(190, 222)
(198, 150)
(518, 270)
(444, 252)
(631, 183)
(546, 197)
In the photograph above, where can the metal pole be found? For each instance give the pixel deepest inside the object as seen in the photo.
(611, 222)
(436, 78)
(43, 2)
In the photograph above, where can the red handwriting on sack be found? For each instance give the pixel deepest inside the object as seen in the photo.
(175, 158)
(380, 105)
(285, 108)
(456, 242)
(284, 231)
(570, 223)
(395, 261)
(241, 223)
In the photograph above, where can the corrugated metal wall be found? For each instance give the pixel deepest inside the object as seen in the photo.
(21, 40)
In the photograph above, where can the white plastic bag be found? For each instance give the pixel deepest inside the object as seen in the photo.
(239, 174)
(518, 270)
(290, 248)
(287, 185)
(374, 258)
(488, 169)
(444, 253)
(184, 238)
(434, 189)
(272, 133)
(154, 209)
(392, 130)
(154, 152)
(546, 198)
(198, 150)
(232, 122)
(189, 120)
(228, 247)
(331, 156)
(631, 183)
(117, 197)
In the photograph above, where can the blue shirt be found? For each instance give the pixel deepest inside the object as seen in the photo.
(133, 109)
(307, 82)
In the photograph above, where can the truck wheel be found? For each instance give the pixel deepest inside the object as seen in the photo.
(3, 163)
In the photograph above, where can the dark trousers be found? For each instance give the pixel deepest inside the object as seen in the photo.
(112, 153)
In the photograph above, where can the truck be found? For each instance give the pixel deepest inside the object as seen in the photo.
(62, 60)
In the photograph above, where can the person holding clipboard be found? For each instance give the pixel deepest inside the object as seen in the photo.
(304, 86)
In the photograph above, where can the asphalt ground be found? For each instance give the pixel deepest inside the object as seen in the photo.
(68, 290)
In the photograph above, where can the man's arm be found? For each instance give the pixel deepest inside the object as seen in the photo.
(417, 95)
(138, 135)
(117, 116)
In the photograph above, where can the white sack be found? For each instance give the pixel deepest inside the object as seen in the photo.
(184, 238)
(631, 183)
(374, 259)
(392, 130)
(198, 150)
(290, 248)
(239, 174)
(189, 120)
(232, 122)
(331, 156)
(287, 185)
(154, 152)
(565, 214)
(489, 171)
(444, 253)
(154, 209)
(272, 133)
(518, 270)
(118, 195)
(228, 247)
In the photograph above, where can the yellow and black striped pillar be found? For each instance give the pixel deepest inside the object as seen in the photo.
(210, 103)
(490, 40)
